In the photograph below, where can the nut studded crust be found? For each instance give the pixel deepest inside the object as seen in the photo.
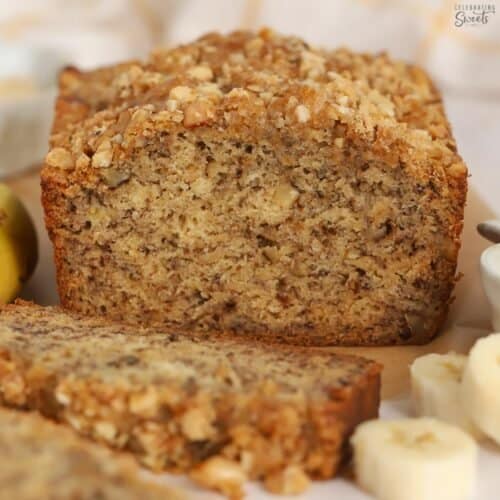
(251, 184)
(42, 460)
(177, 402)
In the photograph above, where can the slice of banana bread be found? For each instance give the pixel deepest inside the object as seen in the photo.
(40, 460)
(252, 184)
(177, 402)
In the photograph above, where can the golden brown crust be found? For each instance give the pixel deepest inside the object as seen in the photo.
(175, 402)
(392, 172)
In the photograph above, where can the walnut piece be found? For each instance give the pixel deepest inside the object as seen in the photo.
(198, 112)
(196, 425)
(104, 155)
(457, 170)
(181, 93)
(60, 158)
(105, 430)
(221, 474)
(144, 404)
(290, 481)
(302, 113)
(202, 73)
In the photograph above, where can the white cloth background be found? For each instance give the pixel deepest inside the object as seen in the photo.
(94, 32)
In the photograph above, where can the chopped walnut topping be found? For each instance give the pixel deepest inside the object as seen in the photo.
(123, 120)
(333, 75)
(266, 96)
(196, 425)
(290, 481)
(82, 161)
(209, 89)
(117, 138)
(384, 105)
(221, 474)
(127, 77)
(198, 112)
(182, 93)
(203, 73)
(63, 398)
(75, 421)
(237, 58)
(186, 59)
(106, 430)
(254, 87)
(69, 77)
(150, 435)
(144, 404)
(140, 115)
(343, 100)
(312, 65)
(254, 46)
(302, 113)
(171, 105)
(280, 122)
(457, 170)
(104, 155)
(60, 157)
(124, 81)
(238, 92)
(292, 102)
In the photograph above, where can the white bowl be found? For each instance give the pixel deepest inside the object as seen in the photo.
(490, 274)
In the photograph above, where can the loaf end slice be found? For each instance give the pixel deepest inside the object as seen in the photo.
(40, 459)
(176, 402)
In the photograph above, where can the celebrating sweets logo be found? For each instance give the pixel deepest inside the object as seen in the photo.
(473, 14)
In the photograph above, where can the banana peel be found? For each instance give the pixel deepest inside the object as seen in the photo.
(18, 245)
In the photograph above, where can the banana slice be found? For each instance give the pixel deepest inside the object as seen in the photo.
(18, 245)
(436, 390)
(414, 459)
(481, 385)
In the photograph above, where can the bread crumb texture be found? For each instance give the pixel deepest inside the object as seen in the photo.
(249, 183)
(42, 460)
(221, 409)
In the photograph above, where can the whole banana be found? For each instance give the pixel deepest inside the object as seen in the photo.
(18, 245)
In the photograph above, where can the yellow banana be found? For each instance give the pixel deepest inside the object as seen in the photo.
(18, 245)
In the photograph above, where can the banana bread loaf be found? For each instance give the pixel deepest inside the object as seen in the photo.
(40, 460)
(188, 404)
(251, 184)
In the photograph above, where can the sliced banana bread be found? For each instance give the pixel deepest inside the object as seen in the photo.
(176, 402)
(40, 460)
(252, 184)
